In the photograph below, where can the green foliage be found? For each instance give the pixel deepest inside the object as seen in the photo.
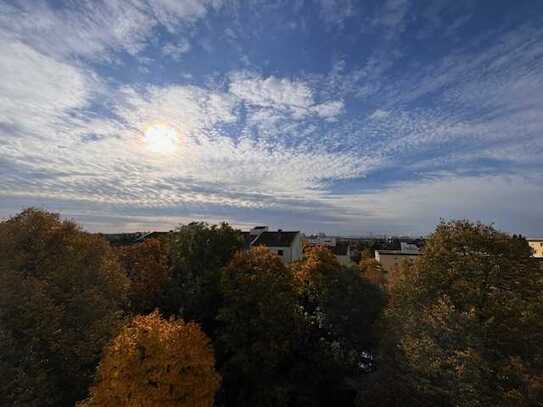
(261, 320)
(198, 253)
(156, 363)
(466, 321)
(340, 309)
(61, 293)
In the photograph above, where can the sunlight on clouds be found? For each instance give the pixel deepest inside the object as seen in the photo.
(160, 138)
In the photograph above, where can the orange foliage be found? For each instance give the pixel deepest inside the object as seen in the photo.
(154, 362)
(319, 263)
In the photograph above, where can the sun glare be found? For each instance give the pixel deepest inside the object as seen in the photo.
(161, 139)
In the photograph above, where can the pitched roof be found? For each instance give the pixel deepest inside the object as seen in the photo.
(275, 239)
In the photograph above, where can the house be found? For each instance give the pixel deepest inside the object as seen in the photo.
(537, 246)
(286, 244)
(390, 260)
(342, 250)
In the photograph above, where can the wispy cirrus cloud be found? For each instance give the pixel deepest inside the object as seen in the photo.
(96, 30)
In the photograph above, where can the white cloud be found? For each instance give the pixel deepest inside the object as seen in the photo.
(294, 97)
(328, 110)
(175, 51)
(95, 30)
(379, 114)
(208, 168)
(172, 12)
(38, 91)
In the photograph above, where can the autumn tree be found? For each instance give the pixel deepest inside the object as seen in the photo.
(198, 253)
(466, 321)
(61, 293)
(260, 321)
(348, 303)
(147, 266)
(371, 270)
(155, 362)
(340, 308)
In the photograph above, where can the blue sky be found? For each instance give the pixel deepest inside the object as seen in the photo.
(346, 117)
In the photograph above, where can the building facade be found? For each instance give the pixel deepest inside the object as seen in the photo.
(536, 246)
(286, 244)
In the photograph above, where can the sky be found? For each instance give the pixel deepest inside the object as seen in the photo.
(337, 116)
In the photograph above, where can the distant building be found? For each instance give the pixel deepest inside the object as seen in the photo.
(320, 240)
(390, 260)
(406, 247)
(537, 247)
(286, 244)
(342, 250)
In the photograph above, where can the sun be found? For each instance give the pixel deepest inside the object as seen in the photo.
(161, 138)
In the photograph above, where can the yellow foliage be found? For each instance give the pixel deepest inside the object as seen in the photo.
(154, 362)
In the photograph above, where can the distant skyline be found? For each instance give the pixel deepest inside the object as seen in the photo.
(336, 116)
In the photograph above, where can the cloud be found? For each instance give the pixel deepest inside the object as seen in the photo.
(416, 207)
(209, 168)
(379, 114)
(40, 91)
(334, 12)
(294, 97)
(176, 51)
(96, 30)
(172, 12)
(389, 139)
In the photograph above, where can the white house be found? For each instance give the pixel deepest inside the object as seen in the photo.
(286, 244)
(342, 250)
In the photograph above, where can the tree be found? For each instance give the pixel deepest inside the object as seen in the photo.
(198, 254)
(467, 319)
(61, 295)
(348, 304)
(372, 271)
(260, 322)
(147, 266)
(340, 309)
(154, 362)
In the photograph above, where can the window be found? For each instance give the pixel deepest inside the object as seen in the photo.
(280, 252)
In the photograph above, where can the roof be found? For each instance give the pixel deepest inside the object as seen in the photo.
(534, 239)
(398, 253)
(340, 249)
(275, 239)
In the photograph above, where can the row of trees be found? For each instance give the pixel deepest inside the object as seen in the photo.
(193, 321)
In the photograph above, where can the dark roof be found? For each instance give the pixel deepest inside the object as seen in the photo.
(340, 249)
(121, 239)
(275, 239)
(153, 235)
(399, 252)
